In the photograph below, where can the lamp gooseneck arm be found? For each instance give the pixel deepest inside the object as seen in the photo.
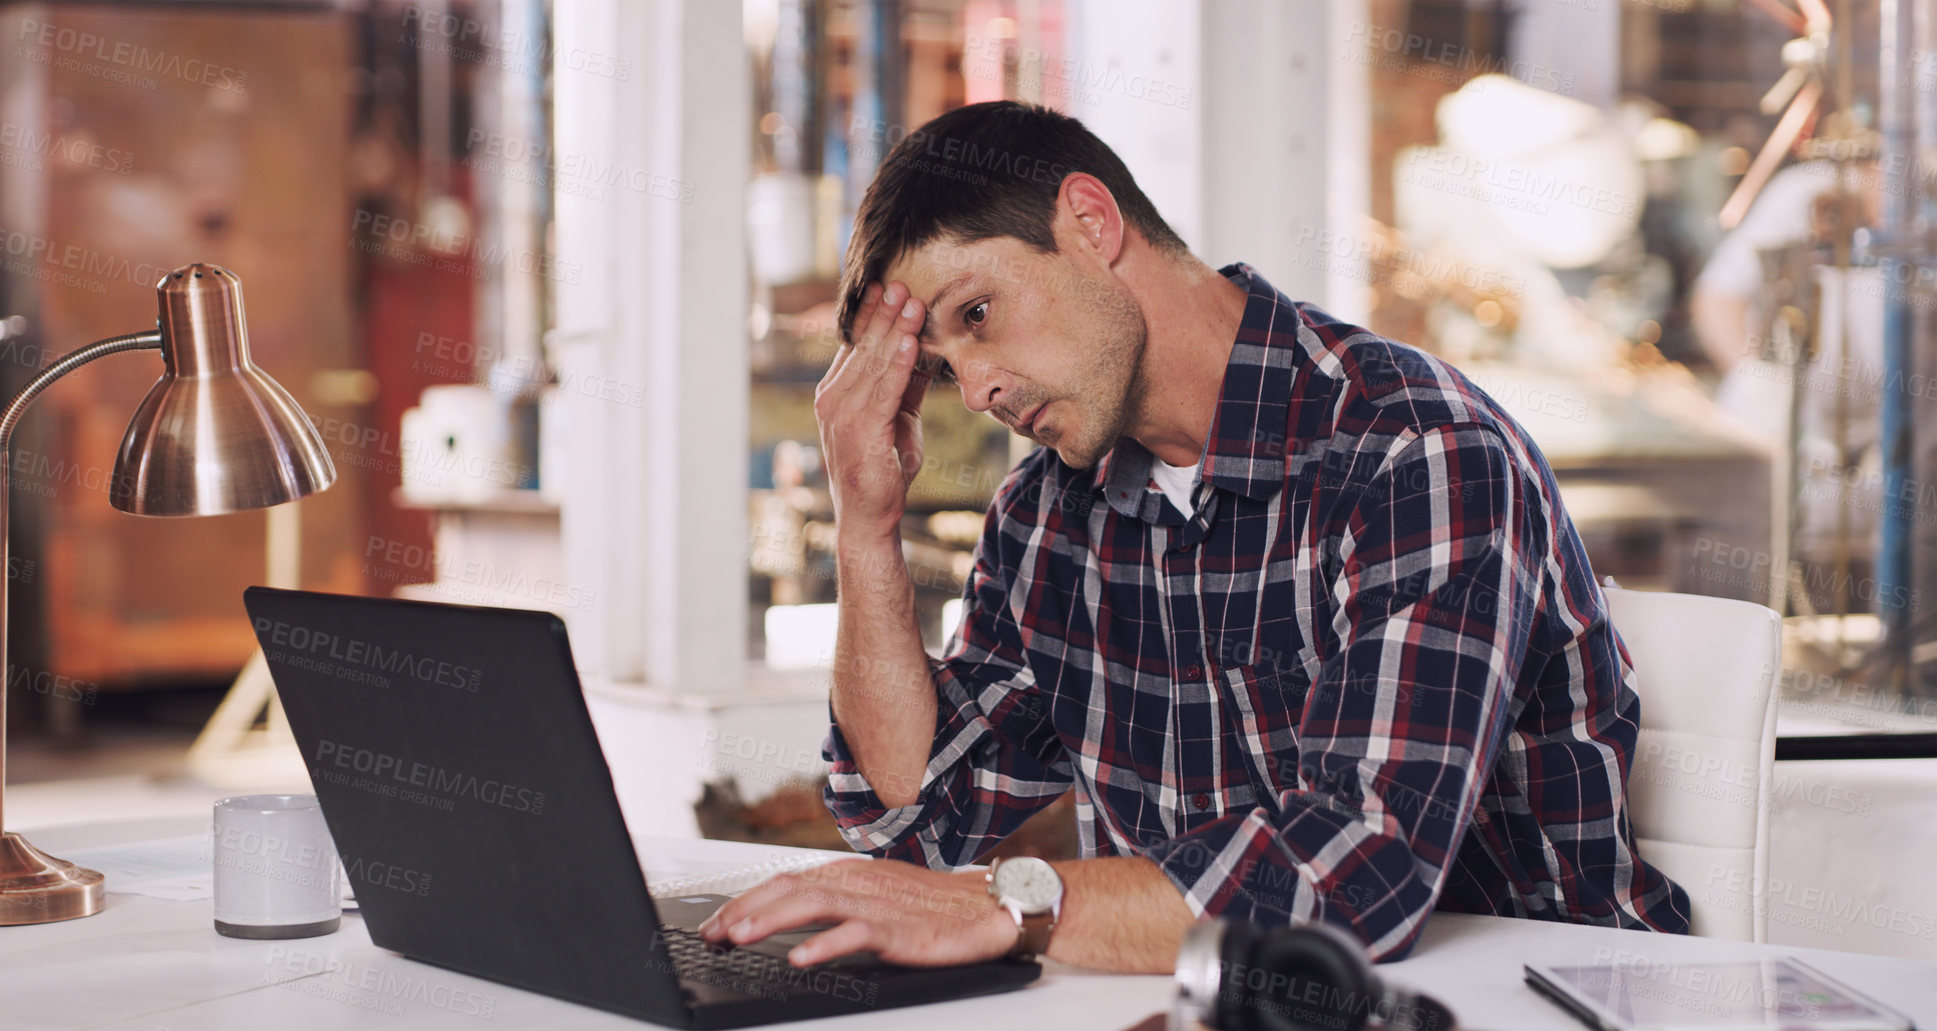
(9, 419)
(150, 340)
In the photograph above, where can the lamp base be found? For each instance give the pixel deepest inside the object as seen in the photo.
(36, 888)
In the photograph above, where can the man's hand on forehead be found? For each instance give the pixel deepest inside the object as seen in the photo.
(928, 365)
(887, 311)
(868, 405)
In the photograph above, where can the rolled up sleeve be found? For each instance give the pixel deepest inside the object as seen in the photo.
(995, 758)
(1435, 598)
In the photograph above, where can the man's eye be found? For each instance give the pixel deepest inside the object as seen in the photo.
(977, 315)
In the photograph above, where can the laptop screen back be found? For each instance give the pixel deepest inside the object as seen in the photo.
(463, 783)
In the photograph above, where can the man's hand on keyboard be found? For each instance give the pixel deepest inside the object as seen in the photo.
(901, 912)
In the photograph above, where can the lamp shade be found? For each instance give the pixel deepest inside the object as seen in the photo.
(215, 434)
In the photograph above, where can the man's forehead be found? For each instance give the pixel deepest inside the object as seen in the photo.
(929, 267)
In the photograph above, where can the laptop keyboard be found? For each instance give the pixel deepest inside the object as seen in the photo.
(752, 970)
(759, 968)
(697, 958)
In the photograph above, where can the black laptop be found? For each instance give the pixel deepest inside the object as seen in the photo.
(461, 778)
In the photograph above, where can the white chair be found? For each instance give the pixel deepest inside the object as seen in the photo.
(1699, 786)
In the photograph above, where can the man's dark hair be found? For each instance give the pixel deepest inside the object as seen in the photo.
(978, 173)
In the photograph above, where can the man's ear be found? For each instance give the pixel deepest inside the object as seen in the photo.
(1092, 214)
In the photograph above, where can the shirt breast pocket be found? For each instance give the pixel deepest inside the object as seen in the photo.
(1268, 703)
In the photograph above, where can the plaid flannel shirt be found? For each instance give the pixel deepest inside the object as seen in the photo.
(1369, 675)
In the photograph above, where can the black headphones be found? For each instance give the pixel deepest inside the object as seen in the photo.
(1241, 977)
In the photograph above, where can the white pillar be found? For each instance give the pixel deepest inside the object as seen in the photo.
(651, 104)
(1137, 84)
(1246, 122)
(1285, 148)
(1572, 49)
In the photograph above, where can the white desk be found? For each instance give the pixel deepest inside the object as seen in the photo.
(159, 966)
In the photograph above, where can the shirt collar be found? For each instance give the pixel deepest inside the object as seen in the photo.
(1245, 451)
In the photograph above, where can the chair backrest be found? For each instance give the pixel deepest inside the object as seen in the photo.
(1699, 787)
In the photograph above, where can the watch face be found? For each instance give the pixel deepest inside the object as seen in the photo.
(1031, 882)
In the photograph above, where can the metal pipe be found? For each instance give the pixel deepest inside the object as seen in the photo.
(1923, 547)
(1896, 161)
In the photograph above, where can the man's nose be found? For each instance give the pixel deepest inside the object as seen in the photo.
(981, 385)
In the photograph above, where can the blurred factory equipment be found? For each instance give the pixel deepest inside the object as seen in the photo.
(1528, 201)
(1841, 336)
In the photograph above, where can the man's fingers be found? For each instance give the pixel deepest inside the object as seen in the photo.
(807, 904)
(822, 881)
(881, 321)
(872, 348)
(892, 380)
(870, 298)
(912, 396)
(869, 388)
(745, 904)
(899, 312)
(886, 314)
(833, 943)
(909, 322)
(909, 317)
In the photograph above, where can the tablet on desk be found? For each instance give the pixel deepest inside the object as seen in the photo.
(1765, 994)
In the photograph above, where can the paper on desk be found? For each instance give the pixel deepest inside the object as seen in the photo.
(186, 888)
(175, 869)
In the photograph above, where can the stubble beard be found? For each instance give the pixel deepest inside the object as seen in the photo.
(1111, 396)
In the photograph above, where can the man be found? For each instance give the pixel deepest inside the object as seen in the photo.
(1294, 610)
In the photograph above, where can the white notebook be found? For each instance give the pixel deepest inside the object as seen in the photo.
(734, 881)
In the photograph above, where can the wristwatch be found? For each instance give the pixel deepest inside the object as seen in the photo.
(1032, 891)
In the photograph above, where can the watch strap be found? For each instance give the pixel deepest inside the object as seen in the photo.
(1033, 937)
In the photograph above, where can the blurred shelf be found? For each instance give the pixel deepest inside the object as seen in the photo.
(531, 502)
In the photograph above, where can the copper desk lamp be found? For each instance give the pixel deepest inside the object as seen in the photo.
(214, 435)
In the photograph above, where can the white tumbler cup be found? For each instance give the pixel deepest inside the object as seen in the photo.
(275, 868)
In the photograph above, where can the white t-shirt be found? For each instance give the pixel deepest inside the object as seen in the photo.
(1176, 482)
